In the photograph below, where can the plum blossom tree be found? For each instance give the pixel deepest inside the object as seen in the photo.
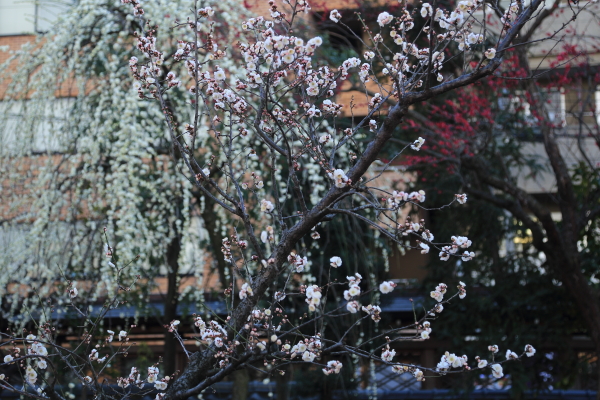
(245, 141)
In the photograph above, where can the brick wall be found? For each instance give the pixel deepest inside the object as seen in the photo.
(14, 43)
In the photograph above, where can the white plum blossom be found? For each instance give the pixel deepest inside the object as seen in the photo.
(445, 253)
(493, 348)
(387, 287)
(426, 10)
(324, 138)
(206, 12)
(387, 354)
(280, 296)
(454, 361)
(38, 348)
(419, 375)
(31, 375)
(152, 374)
(417, 144)
(462, 293)
(161, 385)
(219, 74)
(339, 177)
(443, 365)
(461, 198)
(353, 291)
(307, 356)
(461, 241)
(372, 125)
(497, 371)
(399, 369)
(451, 360)
(333, 367)
(93, 355)
(353, 306)
(437, 295)
(335, 261)
(482, 364)
(417, 197)
(490, 53)
(245, 291)
(335, 16)
(300, 263)
(373, 311)
(529, 350)
(384, 18)
(266, 206)
(313, 297)
(73, 291)
(511, 355)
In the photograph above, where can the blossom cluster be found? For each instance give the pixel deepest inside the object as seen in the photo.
(458, 242)
(308, 349)
(313, 297)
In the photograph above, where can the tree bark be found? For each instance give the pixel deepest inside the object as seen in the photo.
(171, 302)
(282, 383)
(241, 379)
(210, 218)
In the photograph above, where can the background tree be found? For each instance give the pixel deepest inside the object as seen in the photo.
(81, 152)
(532, 171)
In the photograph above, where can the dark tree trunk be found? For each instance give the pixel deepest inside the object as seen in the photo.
(171, 301)
(588, 305)
(241, 379)
(282, 383)
(210, 223)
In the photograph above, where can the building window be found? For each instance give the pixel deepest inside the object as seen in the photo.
(555, 103)
(18, 17)
(44, 133)
(597, 108)
(582, 104)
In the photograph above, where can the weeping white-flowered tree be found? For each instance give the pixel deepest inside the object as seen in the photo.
(80, 152)
(244, 143)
